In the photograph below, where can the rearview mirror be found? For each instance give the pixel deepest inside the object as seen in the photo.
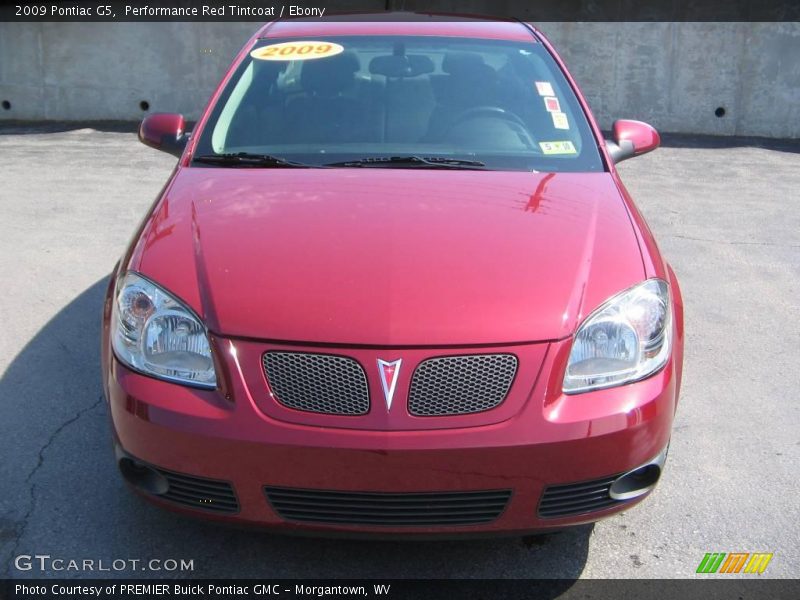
(165, 132)
(631, 138)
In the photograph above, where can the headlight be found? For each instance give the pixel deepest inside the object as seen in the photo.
(153, 332)
(627, 339)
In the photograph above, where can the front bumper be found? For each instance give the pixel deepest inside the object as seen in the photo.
(575, 443)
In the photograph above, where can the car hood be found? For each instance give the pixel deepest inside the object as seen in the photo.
(390, 257)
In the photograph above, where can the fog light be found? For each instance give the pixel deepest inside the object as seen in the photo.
(640, 480)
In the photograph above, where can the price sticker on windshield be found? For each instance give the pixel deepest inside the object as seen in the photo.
(303, 50)
(565, 147)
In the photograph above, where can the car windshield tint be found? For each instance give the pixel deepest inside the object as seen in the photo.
(345, 100)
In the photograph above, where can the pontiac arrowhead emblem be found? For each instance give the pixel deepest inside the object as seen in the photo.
(389, 372)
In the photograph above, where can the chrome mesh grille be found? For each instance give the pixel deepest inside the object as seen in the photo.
(459, 385)
(318, 383)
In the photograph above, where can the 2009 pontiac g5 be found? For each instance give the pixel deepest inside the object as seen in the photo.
(394, 286)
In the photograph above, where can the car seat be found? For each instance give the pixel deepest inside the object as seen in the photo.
(467, 82)
(335, 106)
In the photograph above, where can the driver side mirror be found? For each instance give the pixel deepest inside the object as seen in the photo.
(631, 138)
(165, 132)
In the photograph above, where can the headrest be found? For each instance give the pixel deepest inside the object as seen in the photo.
(268, 70)
(329, 75)
(402, 65)
(462, 63)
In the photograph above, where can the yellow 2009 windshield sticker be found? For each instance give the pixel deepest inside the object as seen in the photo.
(303, 50)
(564, 147)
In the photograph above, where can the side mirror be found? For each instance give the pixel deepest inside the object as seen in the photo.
(165, 132)
(631, 138)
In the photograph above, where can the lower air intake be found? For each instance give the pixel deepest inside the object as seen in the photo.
(426, 509)
(198, 492)
(577, 498)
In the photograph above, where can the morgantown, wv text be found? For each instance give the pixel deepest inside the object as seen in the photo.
(198, 590)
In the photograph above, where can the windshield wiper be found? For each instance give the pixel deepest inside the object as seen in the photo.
(432, 162)
(246, 159)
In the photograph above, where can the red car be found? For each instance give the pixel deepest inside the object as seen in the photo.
(394, 286)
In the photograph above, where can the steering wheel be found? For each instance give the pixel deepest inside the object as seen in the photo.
(492, 112)
(495, 112)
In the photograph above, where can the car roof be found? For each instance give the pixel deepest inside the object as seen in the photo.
(399, 24)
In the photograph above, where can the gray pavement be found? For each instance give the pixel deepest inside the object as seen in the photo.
(726, 214)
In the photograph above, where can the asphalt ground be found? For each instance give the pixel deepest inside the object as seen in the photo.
(726, 213)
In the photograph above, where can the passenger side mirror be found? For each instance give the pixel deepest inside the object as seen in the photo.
(165, 132)
(631, 138)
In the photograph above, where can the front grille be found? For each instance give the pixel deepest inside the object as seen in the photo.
(389, 509)
(459, 385)
(318, 383)
(199, 492)
(577, 498)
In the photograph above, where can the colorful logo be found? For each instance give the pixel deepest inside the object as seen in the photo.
(734, 562)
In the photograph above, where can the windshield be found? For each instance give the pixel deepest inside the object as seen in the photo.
(346, 101)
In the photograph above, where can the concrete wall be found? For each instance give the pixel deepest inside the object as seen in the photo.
(673, 75)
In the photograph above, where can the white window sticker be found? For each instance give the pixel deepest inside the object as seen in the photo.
(561, 147)
(544, 88)
(560, 120)
(303, 50)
